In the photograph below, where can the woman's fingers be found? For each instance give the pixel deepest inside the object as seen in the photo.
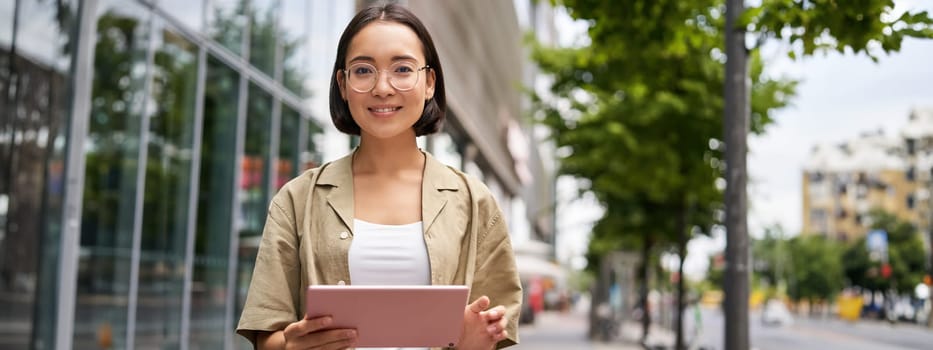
(339, 339)
(306, 326)
(494, 329)
(491, 321)
(319, 323)
(495, 321)
(479, 304)
(313, 333)
(497, 327)
(494, 314)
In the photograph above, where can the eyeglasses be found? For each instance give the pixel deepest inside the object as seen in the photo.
(403, 76)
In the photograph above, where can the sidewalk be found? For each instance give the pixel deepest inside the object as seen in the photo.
(555, 330)
(630, 335)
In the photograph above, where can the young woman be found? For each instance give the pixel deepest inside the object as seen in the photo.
(334, 224)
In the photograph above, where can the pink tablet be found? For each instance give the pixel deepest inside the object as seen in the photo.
(393, 316)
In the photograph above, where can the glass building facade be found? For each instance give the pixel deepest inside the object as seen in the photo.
(140, 142)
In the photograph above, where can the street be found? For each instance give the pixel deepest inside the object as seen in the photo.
(819, 334)
(552, 331)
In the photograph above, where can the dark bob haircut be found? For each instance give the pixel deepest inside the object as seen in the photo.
(432, 118)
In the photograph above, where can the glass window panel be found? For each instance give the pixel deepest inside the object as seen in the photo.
(312, 155)
(38, 36)
(327, 21)
(264, 35)
(254, 186)
(226, 23)
(287, 167)
(33, 117)
(6, 29)
(446, 150)
(111, 148)
(215, 205)
(295, 26)
(165, 200)
(188, 12)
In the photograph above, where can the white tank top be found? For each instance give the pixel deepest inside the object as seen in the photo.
(388, 255)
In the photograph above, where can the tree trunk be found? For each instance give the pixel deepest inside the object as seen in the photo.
(930, 316)
(600, 300)
(736, 133)
(682, 254)
(600, 295)
(645, 271)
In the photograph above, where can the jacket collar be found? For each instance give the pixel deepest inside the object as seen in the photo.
(436, 179)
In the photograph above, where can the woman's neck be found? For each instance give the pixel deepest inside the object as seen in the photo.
(387, 156)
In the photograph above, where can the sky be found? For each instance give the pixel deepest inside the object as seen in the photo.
(838, 97)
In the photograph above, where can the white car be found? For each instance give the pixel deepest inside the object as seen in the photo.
(775, 313)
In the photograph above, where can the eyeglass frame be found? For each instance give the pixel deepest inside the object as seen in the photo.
(346, 77)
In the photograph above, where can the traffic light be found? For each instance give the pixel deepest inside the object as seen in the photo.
(886, 270)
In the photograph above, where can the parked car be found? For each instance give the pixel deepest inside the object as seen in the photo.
(906, 309)
(775, 313)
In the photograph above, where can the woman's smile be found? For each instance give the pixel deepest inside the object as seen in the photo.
(384, 110)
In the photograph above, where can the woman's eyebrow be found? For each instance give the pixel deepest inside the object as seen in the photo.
(403, 58)
(394, 58)
(362, 58)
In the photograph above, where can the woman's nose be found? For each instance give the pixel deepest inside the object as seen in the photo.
(383, 87)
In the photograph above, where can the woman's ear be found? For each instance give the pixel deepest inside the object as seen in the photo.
(430, 79)
(340, 83)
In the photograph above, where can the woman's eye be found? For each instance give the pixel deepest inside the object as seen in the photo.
(404, 69)
(362, 70)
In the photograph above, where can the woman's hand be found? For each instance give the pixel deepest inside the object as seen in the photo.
(482, 328)
(309, 334)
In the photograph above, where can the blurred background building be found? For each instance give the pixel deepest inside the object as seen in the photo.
(140, 143)
(843, 182)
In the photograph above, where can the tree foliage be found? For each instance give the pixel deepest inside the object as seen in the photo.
(816, 271)
(905, 255)
(639, 111)
(866, 26)
(806, 267)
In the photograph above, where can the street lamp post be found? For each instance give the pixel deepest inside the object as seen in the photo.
(735, 134)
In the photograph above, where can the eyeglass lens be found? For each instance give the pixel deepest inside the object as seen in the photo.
(402, 76)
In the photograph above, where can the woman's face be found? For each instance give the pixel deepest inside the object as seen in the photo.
(394, 50)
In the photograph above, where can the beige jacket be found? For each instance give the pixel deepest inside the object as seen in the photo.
(310, 227)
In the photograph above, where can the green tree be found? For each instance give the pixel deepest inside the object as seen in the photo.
(816, 268)
(644, 118)
(905, 255)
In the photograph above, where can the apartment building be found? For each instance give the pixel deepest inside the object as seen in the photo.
(843, 182)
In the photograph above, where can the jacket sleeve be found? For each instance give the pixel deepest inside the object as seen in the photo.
(272, 302)
(496, 275)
